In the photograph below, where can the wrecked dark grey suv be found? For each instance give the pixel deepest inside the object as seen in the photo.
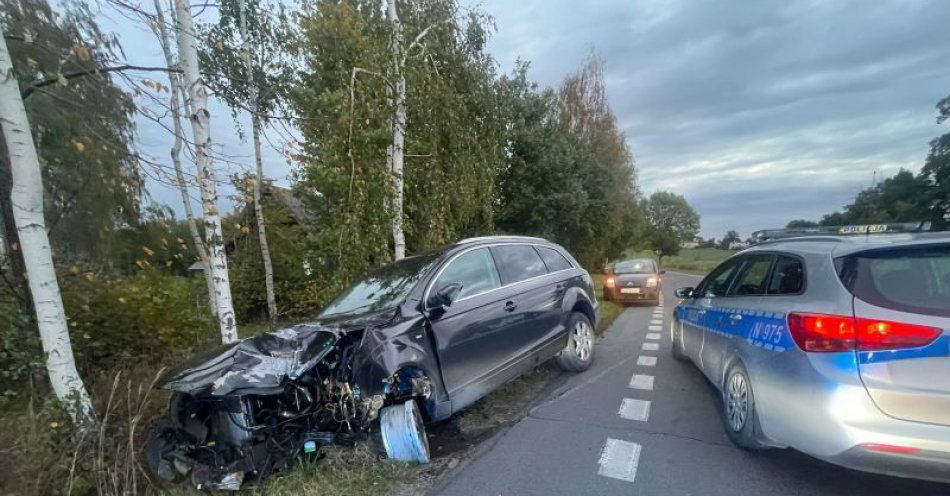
(419, 339)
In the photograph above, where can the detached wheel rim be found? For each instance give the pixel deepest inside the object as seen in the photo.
(737, 402)
(583, 340)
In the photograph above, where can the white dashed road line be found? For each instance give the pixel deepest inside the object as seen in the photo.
(632, 409)
(641, 381)
(619, 460)
(655, 328)
(651, 346)
(656, 322)
(653, 335)
(646, 361)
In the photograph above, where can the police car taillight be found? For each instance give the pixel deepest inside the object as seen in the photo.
(829, 333)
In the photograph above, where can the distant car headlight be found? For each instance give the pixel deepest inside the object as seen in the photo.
(610, 282)
(651, 282)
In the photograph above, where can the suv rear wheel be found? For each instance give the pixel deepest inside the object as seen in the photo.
(579, 352)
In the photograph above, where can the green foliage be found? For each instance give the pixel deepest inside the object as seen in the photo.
(119, 321)
(935, 174)
(895, 199)
(286, 233)
(672, 222)
(271, 47)
(454, 134)
(727, 240)
(798, 223)
(82, 126)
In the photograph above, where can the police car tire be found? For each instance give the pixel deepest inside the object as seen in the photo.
(676, 335)
(568, 359)
(748, 437)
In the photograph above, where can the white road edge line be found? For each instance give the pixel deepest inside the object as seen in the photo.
(653, 335)
(650, 346)
(641, 381)
(619, 460)
(646, 360)
(632, 409)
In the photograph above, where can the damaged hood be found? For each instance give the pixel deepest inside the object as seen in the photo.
(256, 365)
(260, 364)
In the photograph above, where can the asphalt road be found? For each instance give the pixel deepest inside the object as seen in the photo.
(625, 427)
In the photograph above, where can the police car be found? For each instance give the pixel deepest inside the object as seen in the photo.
(832, 342)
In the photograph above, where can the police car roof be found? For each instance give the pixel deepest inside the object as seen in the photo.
(844, 245)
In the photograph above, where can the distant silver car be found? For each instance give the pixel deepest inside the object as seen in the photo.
(836, 346)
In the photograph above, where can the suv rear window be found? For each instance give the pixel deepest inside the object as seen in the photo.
(908, 279)
(518, 262)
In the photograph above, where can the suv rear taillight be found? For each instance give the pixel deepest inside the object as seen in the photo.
(828, 333)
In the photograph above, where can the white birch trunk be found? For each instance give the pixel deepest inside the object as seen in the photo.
(176, 90)
(398, 149)
(197, 106)
(27, 199)
(259, 178)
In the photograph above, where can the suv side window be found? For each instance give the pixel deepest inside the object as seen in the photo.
(554, 260)
(788, 276)
(474, 270)
(518, 262)
(717, 283)
(753, 277)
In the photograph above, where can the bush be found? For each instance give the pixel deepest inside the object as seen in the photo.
(146, 316)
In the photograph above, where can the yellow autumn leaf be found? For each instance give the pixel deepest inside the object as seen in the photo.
(81, 52)
(148, 251)
(80, 146)
(90, 276)
(121, 300)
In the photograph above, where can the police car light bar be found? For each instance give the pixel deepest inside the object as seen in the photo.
(849, 230)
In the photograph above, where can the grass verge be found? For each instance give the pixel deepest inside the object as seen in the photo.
(608, 311)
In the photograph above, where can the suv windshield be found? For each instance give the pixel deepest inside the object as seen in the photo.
(383, 288)
(634, 267)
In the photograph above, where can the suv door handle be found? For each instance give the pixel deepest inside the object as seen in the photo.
(510, 306)
(561, 286)
(735, 318)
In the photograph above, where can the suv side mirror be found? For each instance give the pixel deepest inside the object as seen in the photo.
(683, 293)
(445, 296)
(662, 271)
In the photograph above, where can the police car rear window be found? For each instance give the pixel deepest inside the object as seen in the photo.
(908, 279)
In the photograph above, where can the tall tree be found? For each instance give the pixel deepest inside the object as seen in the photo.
(257, 81)
(454, 144)
(936, 173)
(27, 200)
(197, 106)
(176, 90)
(610, 180)
(672, 221)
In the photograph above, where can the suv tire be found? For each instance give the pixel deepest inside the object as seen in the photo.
(579, 352)
(738, 409)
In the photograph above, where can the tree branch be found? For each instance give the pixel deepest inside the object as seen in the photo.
(418, 39)
(99, 70)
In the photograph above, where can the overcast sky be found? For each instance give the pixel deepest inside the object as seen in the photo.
(758, 112)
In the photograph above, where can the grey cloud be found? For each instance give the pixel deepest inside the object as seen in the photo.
(723, 101)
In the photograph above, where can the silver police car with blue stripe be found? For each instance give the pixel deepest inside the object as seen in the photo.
(835, 345)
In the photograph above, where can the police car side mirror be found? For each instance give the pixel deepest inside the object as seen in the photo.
(683, 293)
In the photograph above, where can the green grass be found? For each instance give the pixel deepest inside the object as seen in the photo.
(698, 261)
(608, 311)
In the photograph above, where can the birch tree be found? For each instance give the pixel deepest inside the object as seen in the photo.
(176, 93)
(397, 150)
(258, 82)
(253, 92)
(196, 104)
(27, 199)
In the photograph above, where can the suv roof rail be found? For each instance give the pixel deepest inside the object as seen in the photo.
(502, 236)
(837, 233)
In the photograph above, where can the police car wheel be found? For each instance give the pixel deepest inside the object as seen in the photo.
(676, 336)
(738, 409)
